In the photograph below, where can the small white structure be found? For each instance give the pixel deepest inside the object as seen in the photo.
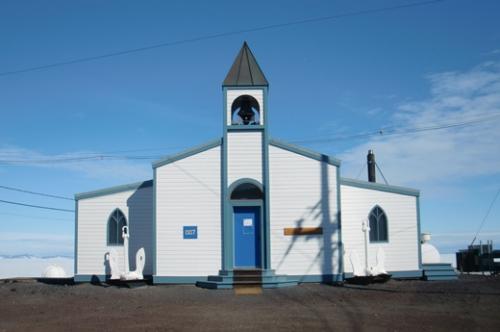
(430, 254)
(54, 271)
(246, 201)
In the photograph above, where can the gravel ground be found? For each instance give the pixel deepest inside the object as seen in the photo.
(471, 303)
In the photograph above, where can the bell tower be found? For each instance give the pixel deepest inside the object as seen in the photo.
(245, 89)
(245, 170)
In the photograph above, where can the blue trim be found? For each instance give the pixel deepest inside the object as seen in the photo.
(415, 274)
(89, 277)
(114, 190)
(419, 244)
(305, 152)
(380, 187)
(265, 175)
(227, 228)
(154, 251)
(321, 278)
(245, 128)
(78, 278)
(187, 153)
(177, 279)
(227, 222)
(412, 274)
(75, 272)
(236, 183)
(339, 225)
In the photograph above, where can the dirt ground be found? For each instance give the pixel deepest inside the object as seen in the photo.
(471, 303)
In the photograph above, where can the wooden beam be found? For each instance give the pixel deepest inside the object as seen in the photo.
(303, 231)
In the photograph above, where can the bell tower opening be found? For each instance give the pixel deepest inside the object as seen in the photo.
(245, 110)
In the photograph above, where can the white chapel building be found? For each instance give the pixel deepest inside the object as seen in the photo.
(248, 205)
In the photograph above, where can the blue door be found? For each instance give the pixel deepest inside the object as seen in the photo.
(246, 236)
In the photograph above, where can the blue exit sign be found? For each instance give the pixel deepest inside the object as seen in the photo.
(190, 232)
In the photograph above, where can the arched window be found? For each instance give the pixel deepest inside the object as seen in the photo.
(245, 110)
(246, 191)
(116, 221)
(378, 225)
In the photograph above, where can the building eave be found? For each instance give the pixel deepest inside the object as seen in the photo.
(114, 190)
(380, 187)
(305, 152)
(187, 153)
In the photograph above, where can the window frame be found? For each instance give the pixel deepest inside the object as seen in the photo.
(113, 218)
(256, 108)
(384, 214)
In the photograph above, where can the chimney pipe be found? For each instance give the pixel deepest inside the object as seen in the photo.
(370, 160)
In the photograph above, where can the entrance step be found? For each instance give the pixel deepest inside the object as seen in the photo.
(253, 277)
(439, 271)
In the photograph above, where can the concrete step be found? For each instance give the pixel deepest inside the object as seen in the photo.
(437, 267)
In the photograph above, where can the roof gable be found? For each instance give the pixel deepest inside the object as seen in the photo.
(245, 70)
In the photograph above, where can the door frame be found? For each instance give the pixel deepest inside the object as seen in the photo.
(249, 203)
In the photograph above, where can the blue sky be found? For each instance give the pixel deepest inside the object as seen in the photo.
(408, 68)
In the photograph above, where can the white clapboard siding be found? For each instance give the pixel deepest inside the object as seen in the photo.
(401, 252)
(244, 156)
(93, 214)
(188, 193)
(303, 193)
(233, 94)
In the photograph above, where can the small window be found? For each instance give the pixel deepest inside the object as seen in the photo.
(116, 222)
(245, 111)
(378, 225)
(247, 191)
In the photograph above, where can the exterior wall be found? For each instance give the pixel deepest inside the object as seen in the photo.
(93, 214)
(244, 155)
(188, 193)
(232, 94)
(401, 251)
(303, 193)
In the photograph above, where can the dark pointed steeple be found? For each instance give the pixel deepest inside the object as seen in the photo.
(245, 71)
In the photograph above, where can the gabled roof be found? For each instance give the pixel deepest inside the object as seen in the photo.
(114, 190)
(305, 152)
(187, 153)
(245, 71)
(379, 187)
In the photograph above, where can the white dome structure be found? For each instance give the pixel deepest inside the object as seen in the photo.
(54, 271)
(430, 255)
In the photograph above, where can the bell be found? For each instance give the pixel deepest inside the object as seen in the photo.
(247, 115)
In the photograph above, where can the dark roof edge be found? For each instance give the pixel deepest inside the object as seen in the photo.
(380, 187)
(187, 153)
(114, 190)
(305, 152)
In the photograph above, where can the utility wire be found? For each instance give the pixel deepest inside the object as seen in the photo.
(35, 193)
(36, 206)
(223, 34)
(383, 177)
(485, 217)
(392, 131)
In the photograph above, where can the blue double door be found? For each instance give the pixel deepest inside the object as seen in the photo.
(247, 237)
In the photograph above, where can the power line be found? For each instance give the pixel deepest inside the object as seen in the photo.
(36, 206)
(32, 217)
(36, 193)
(394, 131)
(486, 216)
(385, 180)
(223, 34)
(388, 131)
